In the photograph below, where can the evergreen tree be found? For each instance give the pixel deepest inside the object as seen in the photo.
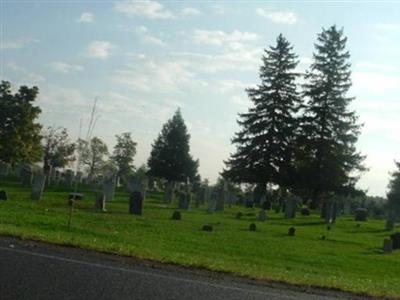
(19, 131)
(170, 157)
(264, 151)
(393, 196)
(328, 160)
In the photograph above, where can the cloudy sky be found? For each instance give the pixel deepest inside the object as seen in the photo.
(145, 59)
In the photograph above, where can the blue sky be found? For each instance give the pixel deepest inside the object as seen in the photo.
(143, 59)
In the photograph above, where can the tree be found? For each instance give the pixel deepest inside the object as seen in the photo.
(264, 148)
(123, 154)
(170, 157)
(328, 160)
(393, 195)
(19, 131)
(93, 155)
(58, 151)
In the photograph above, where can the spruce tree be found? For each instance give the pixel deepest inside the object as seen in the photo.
(264, 147)
(170, 156)
(328, 160)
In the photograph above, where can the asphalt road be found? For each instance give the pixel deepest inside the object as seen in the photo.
(36, 271)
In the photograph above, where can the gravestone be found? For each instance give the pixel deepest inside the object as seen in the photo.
(183, 202)
(212, 203)
(3, 196)
(262, 216)
(207, 227)
(252, 227)
(395, 237)
(329, 211)
(176, 215)
(249, 203)
(169, 192)
(361, 214)
(39, 181)
(109, 188)
(290, 207)
(305, 211)
(69, 178)
(100, 202)
(4, 169)
(26, 175)
(238, 215)
(136, 203)
(292, 231)
(387, 246)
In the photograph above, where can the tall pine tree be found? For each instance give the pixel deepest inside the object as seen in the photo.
(170, 156)
(264, 144)
(328, 160)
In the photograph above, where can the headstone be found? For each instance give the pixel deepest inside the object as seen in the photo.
(212, 203)
(169, 192)
(262, 216)
(361, 214)
(4, 169)
(290, 207)
(387, 246)
(238, 215)
(207, 227)
(136, 203)
(305, 211)
(395, 237)
(183, 201)
(100, 202)
(249, 203)
(26, 175)
(109, 188)
(292, 231)
(176, 215)
(266, 204)
(39, 181)
(252, 227)
(3, 196)
(330, 210)
(134, 184)
(75, 196)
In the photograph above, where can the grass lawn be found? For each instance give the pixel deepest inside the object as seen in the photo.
(350, 258)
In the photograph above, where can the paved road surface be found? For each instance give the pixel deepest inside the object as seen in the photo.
(41, 272)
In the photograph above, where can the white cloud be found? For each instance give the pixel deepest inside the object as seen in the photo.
(220, 38)
(99, 49)
(147, 38)
(148, 75)
(86, 17)
(240, 101)
(25, 76)
(146, 8)
(372, 82)
(376, 67)
(278, 17)
(190, 11)
(17, 43)
(65, 68)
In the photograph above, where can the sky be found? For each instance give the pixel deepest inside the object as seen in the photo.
(144, 59)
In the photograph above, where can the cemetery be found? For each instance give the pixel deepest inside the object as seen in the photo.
(357, 256)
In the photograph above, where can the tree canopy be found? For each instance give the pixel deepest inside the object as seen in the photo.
(170, 155)
(19, 130)
(124, 152)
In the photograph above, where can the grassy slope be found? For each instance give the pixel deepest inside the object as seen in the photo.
(350, 258)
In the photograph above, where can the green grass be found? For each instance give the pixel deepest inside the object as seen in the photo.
(350, 258)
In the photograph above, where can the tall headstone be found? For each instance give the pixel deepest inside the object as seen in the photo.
(69, 178)
(100, 202)
(290, 207)
(183, 203)
(26, 175)
(109, 188)
(169, 192)
(39, 181)
(212, 203)
(136, 203)
(330, 211)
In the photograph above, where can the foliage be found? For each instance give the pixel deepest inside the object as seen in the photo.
(170, 157)
(264, 148)
(327, 158)
(393, 194)
(58, 151)
(19, 130)
(124, 152)
(93, 155)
